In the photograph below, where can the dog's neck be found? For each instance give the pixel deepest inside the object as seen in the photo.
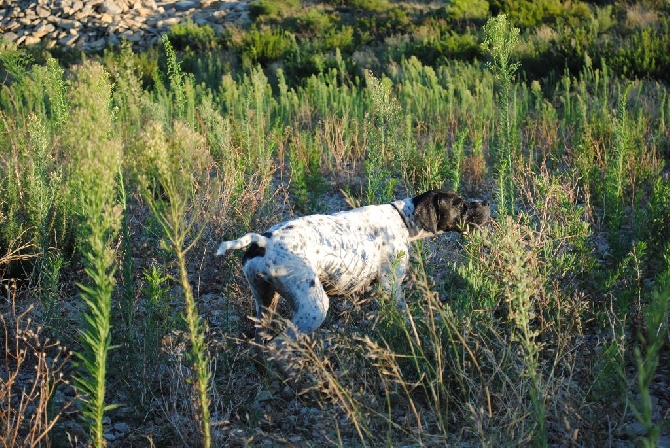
(405, 208)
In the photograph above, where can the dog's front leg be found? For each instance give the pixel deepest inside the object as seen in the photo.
(391, 277)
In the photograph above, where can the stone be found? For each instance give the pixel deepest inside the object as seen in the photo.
(69, 40)
(185, 5)
(143, 12)
(111, 7)
(67, 24)
(130, 36)
(12, 37)
(635, 428)
(43, 12)
(166, 23)
(31, 40)
(91, 24)
(122, 427)
(43, 29)
(97, 44)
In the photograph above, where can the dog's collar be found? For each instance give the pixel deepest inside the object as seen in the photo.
(399, 206)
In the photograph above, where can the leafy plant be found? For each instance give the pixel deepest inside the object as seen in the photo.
(371, 5)
(89, 129)
(647, 355)
(500, 42)
(384, 129)
(176, 183)
(188, 34)
(273, 9)
(267, 45)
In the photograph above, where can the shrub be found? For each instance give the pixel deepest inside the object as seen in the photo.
(433, 43)
(273, 9)
(314, 22)
(267, 45)
(528, 13)
(468, 10)
(644, 53)
(342, 38)
(188, 34)
(370, 5)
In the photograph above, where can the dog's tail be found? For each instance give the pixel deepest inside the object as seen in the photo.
(242, 243)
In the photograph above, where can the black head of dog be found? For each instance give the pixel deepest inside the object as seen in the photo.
(445, 211)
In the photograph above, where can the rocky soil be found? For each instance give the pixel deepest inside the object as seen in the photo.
(89, 25)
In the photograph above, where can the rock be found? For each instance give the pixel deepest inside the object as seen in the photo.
(31, 40)
(168, 22)
(130, 36)
(263, 395)
(122, 427)
(43, 29)
(91, 24)
(97, 44)
(67, 24)
(111, 7)
(43, 12)
(74, 430)
(185, 5)
(635, 428)
(143, 12)
(69, 40)
(12, 37)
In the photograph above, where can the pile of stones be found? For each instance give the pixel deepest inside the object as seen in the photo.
(90, 25)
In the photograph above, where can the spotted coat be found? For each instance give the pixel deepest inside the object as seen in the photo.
(308, 259)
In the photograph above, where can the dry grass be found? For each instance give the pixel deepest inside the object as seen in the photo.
(32, 372)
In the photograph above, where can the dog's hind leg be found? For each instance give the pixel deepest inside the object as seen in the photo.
(310, 304)
(266, 299)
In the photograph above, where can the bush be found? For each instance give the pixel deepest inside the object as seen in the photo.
(314, 21)
(266, 45)
(191, 35)
(644, 53)
(432, 44)
(272, 9)
(468, 10)
(370, 5)
(528, 13)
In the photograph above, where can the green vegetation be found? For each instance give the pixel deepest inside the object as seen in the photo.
(120, 175)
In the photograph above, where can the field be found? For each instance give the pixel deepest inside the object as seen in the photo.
(120, 173)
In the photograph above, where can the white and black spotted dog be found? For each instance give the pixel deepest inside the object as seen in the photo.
(307, 259)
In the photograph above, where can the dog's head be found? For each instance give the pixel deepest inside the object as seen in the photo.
(445, 211)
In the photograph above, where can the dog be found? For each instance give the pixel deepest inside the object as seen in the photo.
(305, 260)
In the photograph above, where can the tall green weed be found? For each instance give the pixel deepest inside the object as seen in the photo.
(501, 40)
(97, 159)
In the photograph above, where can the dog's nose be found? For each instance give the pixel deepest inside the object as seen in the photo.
(485, 203)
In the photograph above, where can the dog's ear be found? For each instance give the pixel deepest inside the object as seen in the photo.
(426, 211)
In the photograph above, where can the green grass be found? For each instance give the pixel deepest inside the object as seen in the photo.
(116, 185)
